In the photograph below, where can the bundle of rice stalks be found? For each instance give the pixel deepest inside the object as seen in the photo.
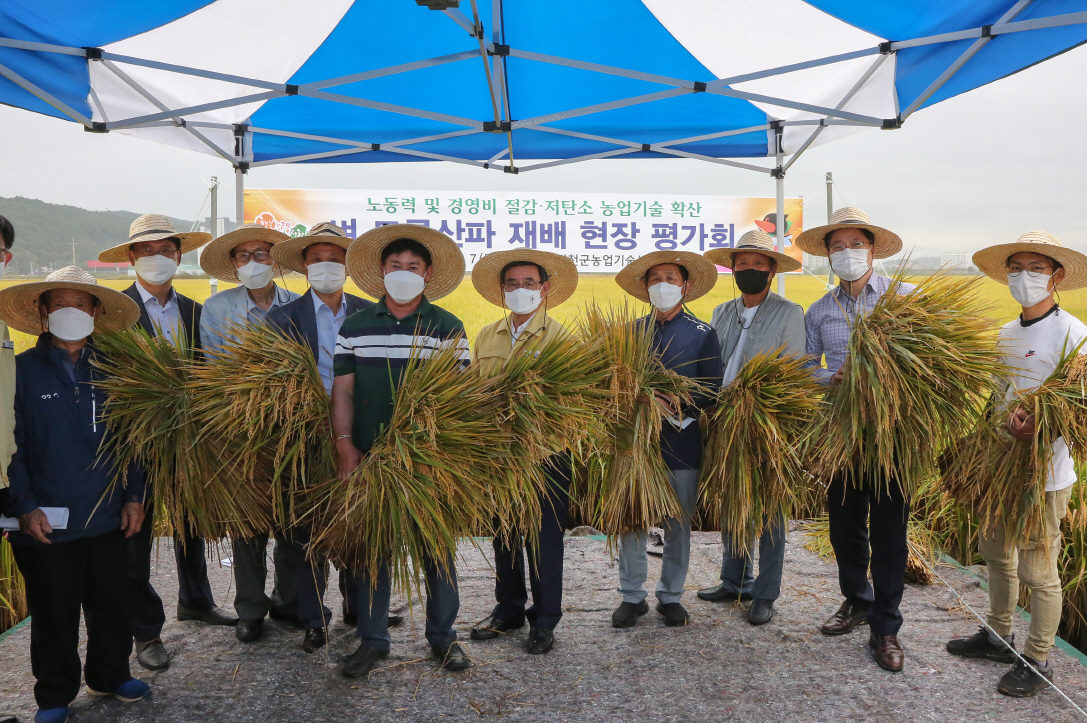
(13, 607)
(149, 410)
(918, 365)
(751, 468)
(260, 403)
(625, 487)
(442, 469)
(1001, 479)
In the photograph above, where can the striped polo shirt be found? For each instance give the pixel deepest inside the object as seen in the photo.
(375, 346)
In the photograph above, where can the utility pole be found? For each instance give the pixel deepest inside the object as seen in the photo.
(214, 207)
(73, 251)
(830, 212)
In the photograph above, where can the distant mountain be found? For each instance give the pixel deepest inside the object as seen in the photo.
(44, 233)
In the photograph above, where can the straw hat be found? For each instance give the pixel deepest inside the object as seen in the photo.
(153, 227)
(758, 241)
(215, 258)
(289, 253)
(811, 241)
(364, 259)
(701, 273)
(19, 304)
(561, 274)
(993, 260)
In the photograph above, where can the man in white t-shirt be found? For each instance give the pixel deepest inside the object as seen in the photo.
(756, 322)
(1034, 268)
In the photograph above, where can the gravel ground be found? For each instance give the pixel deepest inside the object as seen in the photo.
(719, 668)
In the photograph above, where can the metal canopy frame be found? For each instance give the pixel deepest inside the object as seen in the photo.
(493, 53)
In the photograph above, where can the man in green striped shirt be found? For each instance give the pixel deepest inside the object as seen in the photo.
(402, 265)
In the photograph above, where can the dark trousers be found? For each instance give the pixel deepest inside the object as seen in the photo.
(62, 578)
(544, 562)
(251, 571)
(442, 605)
(193, 588)
(311, 585)
(736, 567)
(869, 530)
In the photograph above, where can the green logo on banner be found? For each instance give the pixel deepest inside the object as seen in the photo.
(298, 230)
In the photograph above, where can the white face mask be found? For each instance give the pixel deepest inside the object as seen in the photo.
(255, 275)
(326, 276)
(1029, 290)
(71, 324)
(523, 301)
(155, 270)
(665, 296)
(403, 286)
(850, 264)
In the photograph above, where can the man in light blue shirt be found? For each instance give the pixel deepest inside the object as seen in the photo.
(244, 256)
(867, 527)
(320, 255)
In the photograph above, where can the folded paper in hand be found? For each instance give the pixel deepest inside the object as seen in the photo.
(57, 517)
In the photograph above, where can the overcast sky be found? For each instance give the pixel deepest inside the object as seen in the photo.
(981, 168)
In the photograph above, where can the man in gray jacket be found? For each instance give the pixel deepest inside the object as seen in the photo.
(757, 322)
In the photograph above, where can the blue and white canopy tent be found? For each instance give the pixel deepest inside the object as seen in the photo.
(513, 85)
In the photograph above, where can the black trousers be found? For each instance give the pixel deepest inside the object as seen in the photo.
(193, 588)
(544, 563)
(61, 579)
(869, 531)
(311, 585)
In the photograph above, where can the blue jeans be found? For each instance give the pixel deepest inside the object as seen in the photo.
(736, 567)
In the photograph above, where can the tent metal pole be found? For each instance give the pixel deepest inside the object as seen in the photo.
(239, 195)
(830, 213)
(779, 220)
(45, 96)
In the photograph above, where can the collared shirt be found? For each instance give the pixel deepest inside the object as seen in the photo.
(829, 322)
(167, 319)
(230, 308)
(7, 402)
(497, 343)
(735, 361)
(375, 346)
(328, 328)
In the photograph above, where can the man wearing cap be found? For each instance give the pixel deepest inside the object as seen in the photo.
(73, 519)
(405, 266)
(867, 529)
(320, 256)
(244, 256)
(1035, 267)
(758, 322)
(528, 283)
(154, 248)
(690, 347)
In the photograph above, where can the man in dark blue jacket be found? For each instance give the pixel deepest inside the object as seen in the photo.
(690, 347)
(154, 248)
(77, 564)
(314, 320)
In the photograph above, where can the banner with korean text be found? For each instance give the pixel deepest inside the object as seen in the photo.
(601, 232)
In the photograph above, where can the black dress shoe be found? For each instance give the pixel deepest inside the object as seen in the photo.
(362, 661)
(492, 627)
(628, 613)
(452, 656)
(249, 631)
(395, 620)
(315, 640)
(8, 718)
(285, 617)
(212, 616)
(152, 655)
(720, 593)
(761, 612)
(674, 614)
(540, 641)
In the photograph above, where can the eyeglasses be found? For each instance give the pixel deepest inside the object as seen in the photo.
(245, 256)
(514, 285)
(1033, 270)
(854, 245)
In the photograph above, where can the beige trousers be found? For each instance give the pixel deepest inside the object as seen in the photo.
(1031, 566)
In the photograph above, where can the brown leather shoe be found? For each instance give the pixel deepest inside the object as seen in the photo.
(848, 617)
(887, 651)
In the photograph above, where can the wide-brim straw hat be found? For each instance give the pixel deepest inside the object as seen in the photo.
(993, 260)
(759, 242)
(19, 304)
(701, 273)
(289, 254)
(153, 227)
(364, 259)
(887, 243)
(215, 258)
(561, 274)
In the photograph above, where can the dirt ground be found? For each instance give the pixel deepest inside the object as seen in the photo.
(719, 668)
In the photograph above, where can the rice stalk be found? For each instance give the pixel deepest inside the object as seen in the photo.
(751, 468)
(13, 607)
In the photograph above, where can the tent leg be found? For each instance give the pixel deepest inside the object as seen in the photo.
(780, 223)
(239, 195)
